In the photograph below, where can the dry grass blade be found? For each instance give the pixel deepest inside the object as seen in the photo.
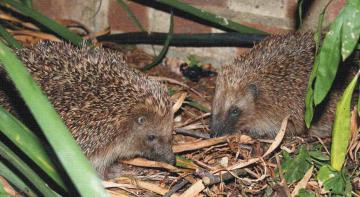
(243, 164)
(194, 189)
(108, 184)
(173, 81)
(180, 99)
(39, 35)
(354, 134)
(15, 20)
(151, 164)
(198, 144)
(279, 137)
(145, 185)
(116, 194)
(303, 182)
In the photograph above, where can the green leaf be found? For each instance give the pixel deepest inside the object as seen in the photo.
(328, 63)
(309, 100)
(68, 152)
(350, 30)
(17, 163)
(166, 45)
(15, 180)
(336, 182)
(319, 156)
(10, 40)
(294, 169)
(341, 128)
(47, 22)
(196, 105)
(203, 14)
(305, 193)
(26, 141)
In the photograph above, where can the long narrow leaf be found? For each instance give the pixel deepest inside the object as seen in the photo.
(166, 45)
(11, 157)
(131, 15)
(71, 157)
(23, 138)
(341, 130)
(15, 180)
(9, 39)
(203, 14)
(47, 22)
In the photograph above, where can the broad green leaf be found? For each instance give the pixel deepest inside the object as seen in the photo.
(338, 182)
(341, 128)
(305, 193)
(14, 179)
(68, 152)
(210, 17)
(22, 167)
(47, 22)
(309, 100)
(350, 30)
(26, 141)
(294, 169)
(328, 63)
(10, 40)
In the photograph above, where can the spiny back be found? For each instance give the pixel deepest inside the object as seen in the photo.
(93, 89)
(273, 56)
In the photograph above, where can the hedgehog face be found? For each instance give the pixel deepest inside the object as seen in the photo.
(233, 109)
(153, 135)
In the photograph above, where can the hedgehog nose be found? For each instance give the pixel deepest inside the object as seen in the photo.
(215, 128)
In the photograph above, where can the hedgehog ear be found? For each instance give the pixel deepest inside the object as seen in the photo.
(253, 90)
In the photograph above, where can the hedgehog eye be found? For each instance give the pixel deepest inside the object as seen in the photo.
(141, 120)
(151, 138)
(235, 111)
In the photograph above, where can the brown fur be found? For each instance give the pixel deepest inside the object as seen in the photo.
(101, 99)
(265, 85)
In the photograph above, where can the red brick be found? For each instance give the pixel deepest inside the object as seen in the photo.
(182, 25)
(56, 9)
(334, 9)
(268, 29)
(119, 20)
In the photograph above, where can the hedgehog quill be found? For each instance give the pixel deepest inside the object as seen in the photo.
(113, 111)
(263, 86)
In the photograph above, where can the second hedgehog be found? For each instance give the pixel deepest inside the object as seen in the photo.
(263, 86)
(113, 111)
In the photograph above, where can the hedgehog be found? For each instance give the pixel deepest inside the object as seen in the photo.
(260, 88)
(113, 111)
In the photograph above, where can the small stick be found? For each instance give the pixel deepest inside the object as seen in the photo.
(211, 179)
(194, 189)
(192, 133)
(176, 188)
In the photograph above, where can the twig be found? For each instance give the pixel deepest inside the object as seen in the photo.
(194, 189)
(211, 179)
(176, 188)
(192, 133)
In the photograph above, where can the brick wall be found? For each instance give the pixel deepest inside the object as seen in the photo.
(274, 16)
